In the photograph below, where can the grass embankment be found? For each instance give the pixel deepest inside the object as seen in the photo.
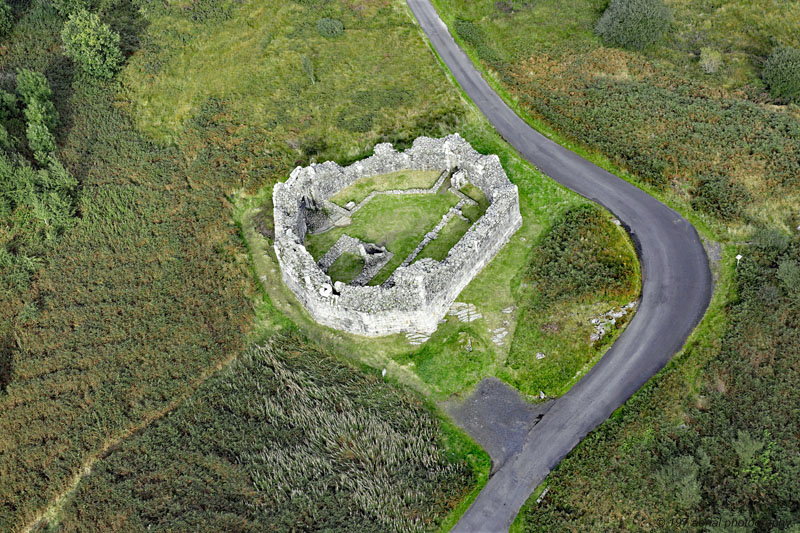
(346, 267)
(584, 255)
(404, 179)
(709, 439)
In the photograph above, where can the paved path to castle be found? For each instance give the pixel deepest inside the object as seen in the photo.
(676, 291)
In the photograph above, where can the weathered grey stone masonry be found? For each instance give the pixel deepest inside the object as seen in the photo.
(418, 295)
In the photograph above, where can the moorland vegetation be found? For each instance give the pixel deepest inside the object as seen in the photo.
(131, 317)
(699, 119)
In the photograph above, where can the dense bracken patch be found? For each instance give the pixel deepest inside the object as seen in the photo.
(583, 253)
(285, 438)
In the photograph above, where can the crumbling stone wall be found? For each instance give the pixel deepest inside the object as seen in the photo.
(418, 295)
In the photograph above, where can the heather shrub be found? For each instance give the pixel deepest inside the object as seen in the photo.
(330, 28)
(782, 74)
(718, 195)
(633, 24)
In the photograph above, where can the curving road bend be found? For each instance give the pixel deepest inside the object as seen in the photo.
(677, 288)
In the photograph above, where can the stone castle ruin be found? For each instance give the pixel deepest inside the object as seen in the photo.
(417, 294)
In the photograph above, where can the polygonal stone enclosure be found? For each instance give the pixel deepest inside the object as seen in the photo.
(417, 294)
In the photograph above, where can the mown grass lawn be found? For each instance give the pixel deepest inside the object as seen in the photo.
(450, 234)
(402, 180)
(398, 222)
(474, 212)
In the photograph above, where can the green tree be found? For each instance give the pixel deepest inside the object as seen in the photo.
(32, 87)
(633, 24)
(6, 17)
(782, 74)
(67, 7)
(8, 108)
(40, 113)
(94, 46)
(40, 140)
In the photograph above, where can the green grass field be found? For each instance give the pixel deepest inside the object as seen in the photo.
(323, 97)
(474, 212)
(406, 179)
(398, 222)
(346, 267)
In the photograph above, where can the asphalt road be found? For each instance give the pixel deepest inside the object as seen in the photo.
(677, 287)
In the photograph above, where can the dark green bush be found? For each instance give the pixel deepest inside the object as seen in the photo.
(380, 98)
(6, 17)
(718, 195)
(40, 113)
(633, 24)
(365, 105)
(67, 7)
(769, 243)
(330, 28)
(32, 87)
(209, 11)
(94, 46)
(582, 254)
(40, 140)
(782, 74)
